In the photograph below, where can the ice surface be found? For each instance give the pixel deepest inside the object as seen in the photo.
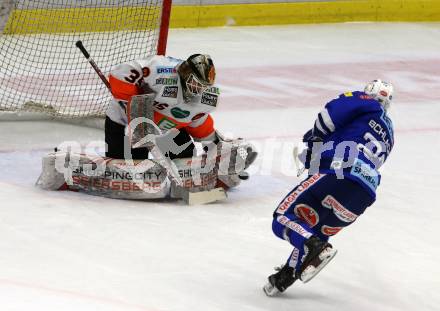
(69, 251)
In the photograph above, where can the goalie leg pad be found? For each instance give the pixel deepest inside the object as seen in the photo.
(106, 177)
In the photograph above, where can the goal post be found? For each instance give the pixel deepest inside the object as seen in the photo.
(164, 26)
(43, 74)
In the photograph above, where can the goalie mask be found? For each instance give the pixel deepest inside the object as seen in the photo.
(380, 91)
(197, 74)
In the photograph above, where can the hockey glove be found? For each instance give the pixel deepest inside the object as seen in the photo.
(306, 156)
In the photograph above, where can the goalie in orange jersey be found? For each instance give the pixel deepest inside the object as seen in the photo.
(184, 95)
(175, 97)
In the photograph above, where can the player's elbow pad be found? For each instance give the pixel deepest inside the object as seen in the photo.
(122, 90)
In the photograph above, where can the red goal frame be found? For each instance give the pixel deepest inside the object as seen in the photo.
(164, 27)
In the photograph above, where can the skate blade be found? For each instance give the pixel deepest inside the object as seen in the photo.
(311, 271)
(270, 290)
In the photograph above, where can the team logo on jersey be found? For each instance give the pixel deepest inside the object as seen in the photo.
(170, 91)
(163, 69)
(179, 113)
(307, 214)
(165, 124)
(209, 99)
(167, 81)
(348, 94)
(327, 230)
(145, 72)
(338, 209)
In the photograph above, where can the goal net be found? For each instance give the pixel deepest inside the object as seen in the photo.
(42, 71)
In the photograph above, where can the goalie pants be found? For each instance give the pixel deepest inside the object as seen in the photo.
(320, 205)
(115, 140)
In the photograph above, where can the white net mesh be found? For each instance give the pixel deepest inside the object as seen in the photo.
(42, 70)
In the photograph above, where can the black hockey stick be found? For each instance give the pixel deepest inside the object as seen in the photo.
(86, 54)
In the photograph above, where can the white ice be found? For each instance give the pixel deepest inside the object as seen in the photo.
(69, 251)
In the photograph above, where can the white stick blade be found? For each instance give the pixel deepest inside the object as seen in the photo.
(205, 197)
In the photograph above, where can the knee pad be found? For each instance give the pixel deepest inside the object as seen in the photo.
(280, 230)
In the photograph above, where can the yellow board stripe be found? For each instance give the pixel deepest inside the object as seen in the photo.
(139, 18)
(305, 12)
(82, 20)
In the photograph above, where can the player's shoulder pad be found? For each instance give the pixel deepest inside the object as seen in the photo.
(126, 66)
(346, 94)
(355, 95)
(125, 69)
(358, 97)
(162, 65)
(355, 100)
(158, 60)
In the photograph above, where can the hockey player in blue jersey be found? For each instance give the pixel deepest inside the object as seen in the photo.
(351, 138)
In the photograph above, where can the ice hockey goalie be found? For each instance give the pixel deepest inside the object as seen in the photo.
(160, 110)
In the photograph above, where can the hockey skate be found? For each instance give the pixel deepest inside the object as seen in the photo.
(280, 281)
(319, 254)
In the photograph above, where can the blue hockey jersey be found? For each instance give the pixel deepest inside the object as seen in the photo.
(357, 138)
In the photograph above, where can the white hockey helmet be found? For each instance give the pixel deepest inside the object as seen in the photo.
(380, 91)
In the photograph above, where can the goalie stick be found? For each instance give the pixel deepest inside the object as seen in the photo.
(299, 168)
(86, 54)
(190, 198)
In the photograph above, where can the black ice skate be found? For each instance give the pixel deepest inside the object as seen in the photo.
(318, 255)
(280, 281)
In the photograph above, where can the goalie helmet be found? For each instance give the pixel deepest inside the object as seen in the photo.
(380, 91)
(197, 74)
